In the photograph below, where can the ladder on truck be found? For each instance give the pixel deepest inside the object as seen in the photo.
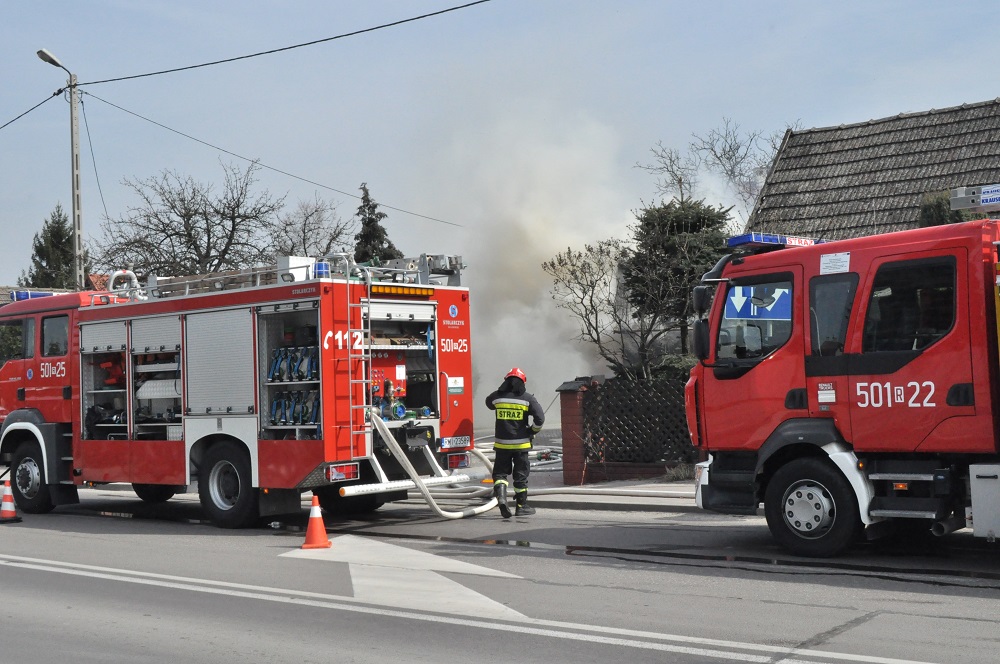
(423, 270)
(360, 399)
(359, 368)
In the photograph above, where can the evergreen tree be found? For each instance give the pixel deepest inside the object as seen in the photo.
(52, 259)
(675, 244)
(935, 210)
(372, 241)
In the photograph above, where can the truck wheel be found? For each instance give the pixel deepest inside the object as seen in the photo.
(224, 486)
(336, 505)
(31, 493)
(811, 509)
(154, 493)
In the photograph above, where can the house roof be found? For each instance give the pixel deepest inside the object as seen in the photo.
(870, 177)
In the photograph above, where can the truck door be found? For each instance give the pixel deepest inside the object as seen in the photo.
(49, 373)
(832, 298)
(17, 348)
(757, 379)
(911, 383)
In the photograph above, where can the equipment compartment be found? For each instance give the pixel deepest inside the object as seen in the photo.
(104, 408)
(288, 368)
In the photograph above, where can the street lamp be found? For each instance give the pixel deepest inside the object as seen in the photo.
(74, 127)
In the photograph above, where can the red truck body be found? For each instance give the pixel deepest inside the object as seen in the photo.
(851, 384)
(255, 387)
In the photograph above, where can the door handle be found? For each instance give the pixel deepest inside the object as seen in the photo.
(447, 402)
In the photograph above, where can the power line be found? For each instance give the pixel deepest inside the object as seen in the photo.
(286, 48)
(54, 94)
(263, 165)
(93, 157)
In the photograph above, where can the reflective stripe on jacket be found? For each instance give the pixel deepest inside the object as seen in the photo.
(513, 431)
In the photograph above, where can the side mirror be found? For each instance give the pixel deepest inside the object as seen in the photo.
(700, 339)
(701, 298)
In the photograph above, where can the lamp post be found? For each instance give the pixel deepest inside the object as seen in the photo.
(74, 127)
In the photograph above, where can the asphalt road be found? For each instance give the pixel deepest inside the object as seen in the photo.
(114, 580)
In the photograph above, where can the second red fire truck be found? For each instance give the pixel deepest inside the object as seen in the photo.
(851, 386)
(255, 386)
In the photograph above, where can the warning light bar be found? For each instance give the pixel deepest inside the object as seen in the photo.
(395, 289)
(770, 241)
(19, 295)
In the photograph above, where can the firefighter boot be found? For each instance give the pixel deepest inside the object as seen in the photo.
(500, 493)
(523, 508)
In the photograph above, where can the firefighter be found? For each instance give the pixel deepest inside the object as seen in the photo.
(513, 406)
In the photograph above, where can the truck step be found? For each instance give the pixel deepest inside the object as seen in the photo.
(902, 477)
(904, 514)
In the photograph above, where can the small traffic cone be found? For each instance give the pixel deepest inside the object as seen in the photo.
(8, 512)
(316, 531)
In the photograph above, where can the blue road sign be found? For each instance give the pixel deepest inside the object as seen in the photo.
(774, 305)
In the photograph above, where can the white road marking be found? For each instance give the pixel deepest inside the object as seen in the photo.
(368, 551)
(423, 590)
(712, 648)
(390, 575)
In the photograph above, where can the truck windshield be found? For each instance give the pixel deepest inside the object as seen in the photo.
(17, 340)
(757, 319)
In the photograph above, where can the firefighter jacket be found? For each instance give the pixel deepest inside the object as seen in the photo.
(513, 432)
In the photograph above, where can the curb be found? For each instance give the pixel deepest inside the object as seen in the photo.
(615, 505)
(669, 502)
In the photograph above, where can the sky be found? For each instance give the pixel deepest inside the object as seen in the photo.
(518, 122)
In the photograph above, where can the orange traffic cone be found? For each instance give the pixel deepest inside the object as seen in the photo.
(316, 531)
(8, 512)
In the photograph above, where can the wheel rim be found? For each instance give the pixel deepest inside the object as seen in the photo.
(224, 485)
(28, 477)
(808, 509)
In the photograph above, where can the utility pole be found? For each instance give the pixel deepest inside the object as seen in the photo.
(74, 131)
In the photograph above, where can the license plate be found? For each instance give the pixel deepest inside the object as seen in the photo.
(455, 441)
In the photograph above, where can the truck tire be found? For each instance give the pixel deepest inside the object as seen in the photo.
(31, 493)
(154, 493)
(811, 509)
(225, 488)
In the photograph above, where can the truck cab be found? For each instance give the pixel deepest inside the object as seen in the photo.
(846, 384)
(38, 401)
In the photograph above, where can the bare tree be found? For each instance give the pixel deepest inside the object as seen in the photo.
(182, 227)
(677, 173)
(590, 285)
(742, 158)
(631, 297)
(312, 229)
(585, 283)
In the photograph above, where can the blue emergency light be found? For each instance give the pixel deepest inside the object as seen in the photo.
(19, 295)
(770, 241)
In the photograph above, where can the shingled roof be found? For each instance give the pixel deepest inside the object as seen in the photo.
(870, 177)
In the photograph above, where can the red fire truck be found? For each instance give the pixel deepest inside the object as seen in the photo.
(256, 386)
(851, 385)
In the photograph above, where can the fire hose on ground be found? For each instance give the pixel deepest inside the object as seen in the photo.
(397, 452)
(471, 492)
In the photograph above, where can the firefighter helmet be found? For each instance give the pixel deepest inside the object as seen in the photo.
(516, 373)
